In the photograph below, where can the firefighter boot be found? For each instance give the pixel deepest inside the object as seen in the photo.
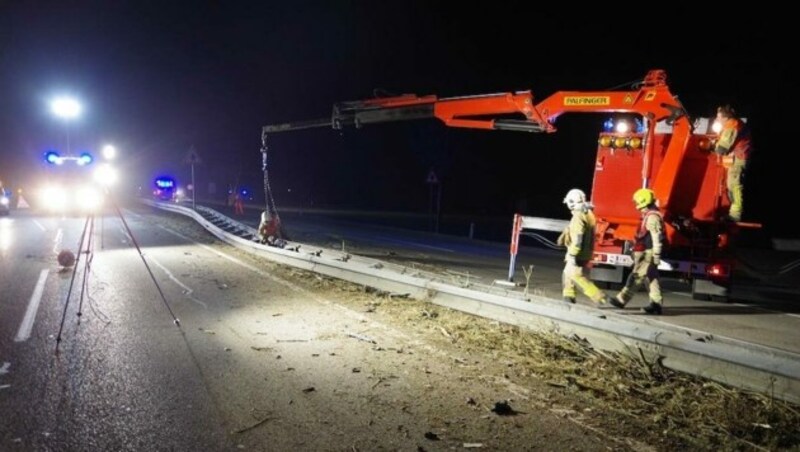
(617, 302)
(653, 308)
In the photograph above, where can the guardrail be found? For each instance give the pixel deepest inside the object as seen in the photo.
(737, 363)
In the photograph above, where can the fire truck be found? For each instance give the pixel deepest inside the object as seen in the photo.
(667, 152)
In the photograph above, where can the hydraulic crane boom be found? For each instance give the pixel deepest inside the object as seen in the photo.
(652, 100)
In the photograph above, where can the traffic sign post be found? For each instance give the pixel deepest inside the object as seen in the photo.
(435, 199)
(193, 158)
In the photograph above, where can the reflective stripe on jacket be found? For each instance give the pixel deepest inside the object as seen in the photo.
(735, 137)
(581, 235)
(650, 234)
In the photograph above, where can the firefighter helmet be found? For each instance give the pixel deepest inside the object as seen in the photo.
(644, 197)
(575, 199)
(726, 111)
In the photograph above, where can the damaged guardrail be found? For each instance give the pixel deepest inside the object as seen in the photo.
(737, 363)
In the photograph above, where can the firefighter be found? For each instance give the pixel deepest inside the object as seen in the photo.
(238, 204)
(734, 143)
(578, 237)
(648, 243)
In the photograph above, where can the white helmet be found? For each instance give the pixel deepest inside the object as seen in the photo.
(575, 199)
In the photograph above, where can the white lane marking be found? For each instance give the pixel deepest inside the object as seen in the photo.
(41, 226)
(26, 326)
(57, 240)
(186, 289)
(4, 386)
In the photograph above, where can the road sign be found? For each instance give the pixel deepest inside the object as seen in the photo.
(432, 179)
(192, 157)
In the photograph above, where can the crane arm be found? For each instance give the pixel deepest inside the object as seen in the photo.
(516, 111)
(476, 112)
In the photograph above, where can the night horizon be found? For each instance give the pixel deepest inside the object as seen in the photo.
(158, 80)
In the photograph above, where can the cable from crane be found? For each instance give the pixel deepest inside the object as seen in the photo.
(270, 229)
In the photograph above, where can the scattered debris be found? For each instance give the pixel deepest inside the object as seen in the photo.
(446, 334)
(207, 331)
(242, 430)
(430, 314)
(292, 340)
(503, 409)
(471, 401)
(431, 436)
(309, 389)
(361, 337)
(227, 349)
(277, 315)
(261, 349)
(473, 445)
(356, 370)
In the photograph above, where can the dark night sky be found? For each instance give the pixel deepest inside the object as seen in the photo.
(159, 77)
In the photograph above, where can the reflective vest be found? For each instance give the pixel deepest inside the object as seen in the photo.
(643, 240)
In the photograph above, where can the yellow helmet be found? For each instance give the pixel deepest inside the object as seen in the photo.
(643, 197)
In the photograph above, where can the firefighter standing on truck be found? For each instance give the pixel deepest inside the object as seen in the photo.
(578, 237)
(648, 243)
(734, 143)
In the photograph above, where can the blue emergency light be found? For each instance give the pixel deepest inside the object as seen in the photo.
(165, 182)
(85, 159)
(52, 157)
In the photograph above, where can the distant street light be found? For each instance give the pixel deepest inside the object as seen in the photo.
(109, 152)
(67, 109)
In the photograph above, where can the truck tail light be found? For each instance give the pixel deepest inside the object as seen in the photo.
(719, 271)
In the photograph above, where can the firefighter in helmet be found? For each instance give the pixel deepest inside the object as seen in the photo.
(648, 243)
(734, 143)
(578, 237)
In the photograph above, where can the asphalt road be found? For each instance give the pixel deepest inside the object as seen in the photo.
(256, 362)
